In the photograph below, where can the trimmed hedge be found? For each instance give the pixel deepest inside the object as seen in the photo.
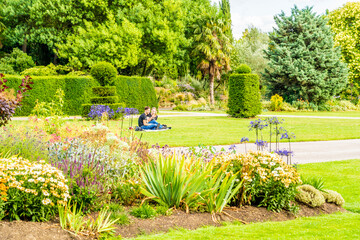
(244, 95)
(104, 91)
(134, 92)
(86, 108)
(104, 100)
(77, 91)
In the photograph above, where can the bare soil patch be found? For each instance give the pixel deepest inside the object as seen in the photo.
(22, 230)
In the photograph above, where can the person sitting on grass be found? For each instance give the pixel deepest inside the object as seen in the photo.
(153, 118)
(144, 121)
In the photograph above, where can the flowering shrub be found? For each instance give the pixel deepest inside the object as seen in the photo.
(276, 102)
(268, 181)
(31, 190)
(98, 111)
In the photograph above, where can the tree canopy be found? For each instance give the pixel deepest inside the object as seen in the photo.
(303, 63)
(346, 26)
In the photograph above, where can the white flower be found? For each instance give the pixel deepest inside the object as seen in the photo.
(46, 201)
(272, 164)
(45, 193)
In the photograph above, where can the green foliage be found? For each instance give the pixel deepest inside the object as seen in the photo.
(244, 95)
(333, 197)
(310, 196)
(104, 73)
(136, 92)
(126, 192)
(17, 60)
(104, 100)
(268, 180)
(316, 182)
(104, 91)
(40, 71)
(243, 69)
(303, 62)
(276, 102)
(144, 211)
(77, 91)
(249, 49)
(344, 23)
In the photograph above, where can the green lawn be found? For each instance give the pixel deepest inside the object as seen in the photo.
(192, 131)
(324, 114)
(334, 226)
(341, 176)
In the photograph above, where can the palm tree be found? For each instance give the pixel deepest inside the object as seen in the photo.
(212, 47)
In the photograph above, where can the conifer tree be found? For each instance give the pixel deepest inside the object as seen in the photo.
(303, 63)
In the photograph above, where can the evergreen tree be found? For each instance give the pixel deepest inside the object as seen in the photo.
(303, 63)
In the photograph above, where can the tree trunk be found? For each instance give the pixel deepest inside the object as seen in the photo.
(55, 57)
(144, 70)
(24, 46)
(211, 86)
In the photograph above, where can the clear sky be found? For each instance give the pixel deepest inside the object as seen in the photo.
(260, 13)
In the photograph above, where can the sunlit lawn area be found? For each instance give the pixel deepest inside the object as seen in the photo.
(192, 131)
(341, 176)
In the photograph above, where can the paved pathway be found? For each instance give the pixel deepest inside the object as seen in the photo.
(304, 152)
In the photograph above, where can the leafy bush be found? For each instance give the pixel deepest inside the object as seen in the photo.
(49, 70)
(104, 100)
(126, 192)
(310, 196)
(244, 95)
(104, 72)
(333, 197)
(144, 211)
(18, 60)
(243, 69)
(30, 143)
(276, 102)
(268, 181)
(32, 189)
(135, 92)
(104, 91)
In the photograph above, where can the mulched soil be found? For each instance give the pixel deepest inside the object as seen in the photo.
(21, 230)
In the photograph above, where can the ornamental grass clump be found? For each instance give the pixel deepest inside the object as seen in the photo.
(310, 196)
(268, 180)
(32, 190)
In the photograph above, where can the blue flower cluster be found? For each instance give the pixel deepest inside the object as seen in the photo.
(244, 139)
(258, 124)
(286, 135)
(261, 143)
(97, 111)
(284, 152)
(127, 111)
(274, 120)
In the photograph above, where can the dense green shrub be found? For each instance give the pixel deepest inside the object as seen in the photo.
(134, 92)
(104, 100)
(77, 91)
(18, 60)
(104, 91)
(333, 197)
(310, 196)
(86, 108)
(104, 73)
(243, 68)
(244, 95)
(40, 71)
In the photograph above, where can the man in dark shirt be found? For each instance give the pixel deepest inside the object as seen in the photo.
(144, 121)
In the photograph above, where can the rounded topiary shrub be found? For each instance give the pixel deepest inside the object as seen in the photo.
(244, 95)
(333, 197)
(310, 196)
(243, 68)
(104, 72)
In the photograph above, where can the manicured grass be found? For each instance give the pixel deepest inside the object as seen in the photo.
(324, 114)
(334, 226)
(340, 176)
(192, 131)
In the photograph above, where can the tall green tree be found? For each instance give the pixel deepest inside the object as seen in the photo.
(225, 9)
(249, 50)
(345, 23)
(212, 47)
(303, 62)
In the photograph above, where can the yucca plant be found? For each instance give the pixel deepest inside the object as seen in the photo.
(221, 188)
(175, 181)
